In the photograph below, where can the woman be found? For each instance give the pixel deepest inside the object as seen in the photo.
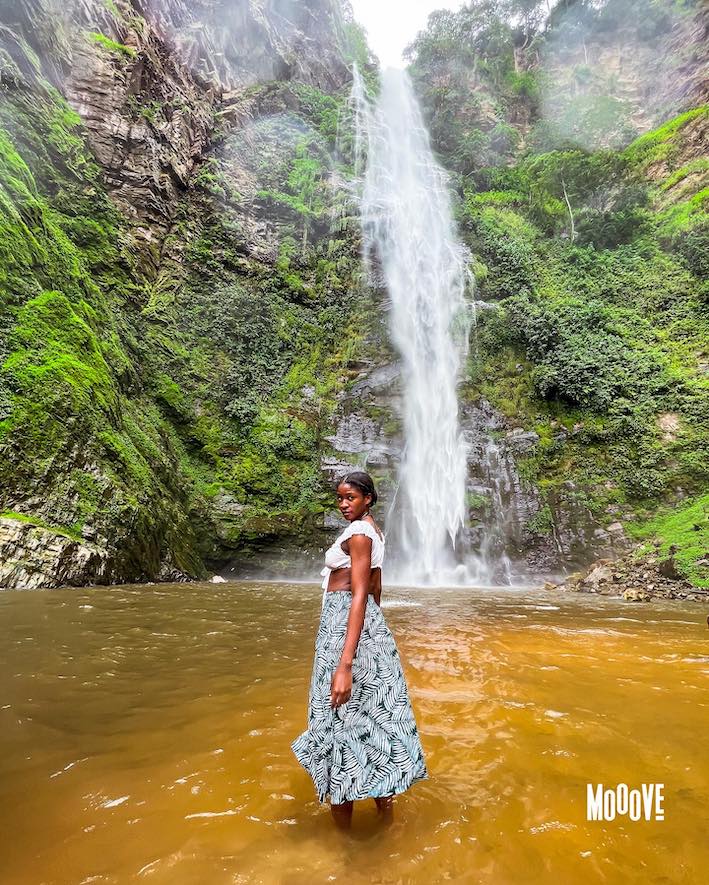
(361, 740)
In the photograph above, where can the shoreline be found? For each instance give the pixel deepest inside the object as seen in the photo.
(633, 577)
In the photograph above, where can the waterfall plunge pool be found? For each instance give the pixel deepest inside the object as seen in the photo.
(145, 736)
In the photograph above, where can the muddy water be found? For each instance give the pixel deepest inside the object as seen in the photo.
(145, 731)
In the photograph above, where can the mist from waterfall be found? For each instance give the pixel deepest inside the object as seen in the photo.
(411, 244)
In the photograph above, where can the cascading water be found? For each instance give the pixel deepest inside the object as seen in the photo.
(409, 234)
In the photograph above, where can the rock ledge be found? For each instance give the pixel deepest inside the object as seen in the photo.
(635, 578)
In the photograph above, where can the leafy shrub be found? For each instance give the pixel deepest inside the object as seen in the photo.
(580, 356)
(505, 243)
(693, 247)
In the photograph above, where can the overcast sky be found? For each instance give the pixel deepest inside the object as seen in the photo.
(392, 24)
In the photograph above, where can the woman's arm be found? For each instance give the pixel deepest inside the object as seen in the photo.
(360, 548)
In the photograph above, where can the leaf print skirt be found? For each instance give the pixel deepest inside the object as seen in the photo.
(369, 746)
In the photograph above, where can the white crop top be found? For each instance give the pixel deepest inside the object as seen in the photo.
(335, 556)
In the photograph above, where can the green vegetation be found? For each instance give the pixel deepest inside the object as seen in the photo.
(73, 422)
(590, 245)
(659, 145)
(321, 110)
(151, 110)
(499, 77)
(599, 337)
(177, 419)
(259, 352)
(355, 49)
(684, 533)
(305, 187)
(39, 523)
(137, 407)
(112, 45)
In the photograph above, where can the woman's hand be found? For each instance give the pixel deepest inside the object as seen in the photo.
(341, 685)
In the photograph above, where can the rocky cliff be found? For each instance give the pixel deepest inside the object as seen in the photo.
(187, 351)
(175, 267)
(577, 139)
(148, 81)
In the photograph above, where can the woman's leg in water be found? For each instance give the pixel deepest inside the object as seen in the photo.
(385, 808)
(342, 815)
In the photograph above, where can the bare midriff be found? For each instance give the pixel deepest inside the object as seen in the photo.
(341, 579)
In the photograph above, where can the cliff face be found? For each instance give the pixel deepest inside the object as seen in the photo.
(147, 80)
(186, 350)
(569, 75)
(609, 80)
(583, 197)
(175, 264)
(234, 45)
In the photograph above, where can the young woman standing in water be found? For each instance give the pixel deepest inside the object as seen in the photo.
(361, 741)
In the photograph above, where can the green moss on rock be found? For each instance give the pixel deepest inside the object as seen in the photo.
(683, 532)
(112, 45)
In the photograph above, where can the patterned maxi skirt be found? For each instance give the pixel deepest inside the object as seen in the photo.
(369, 746)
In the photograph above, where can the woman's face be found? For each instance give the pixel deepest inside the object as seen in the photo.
(351, 501)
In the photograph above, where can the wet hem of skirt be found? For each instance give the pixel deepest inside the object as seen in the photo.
(322, 795)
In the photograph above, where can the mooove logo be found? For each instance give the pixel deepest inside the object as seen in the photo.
(607, 803)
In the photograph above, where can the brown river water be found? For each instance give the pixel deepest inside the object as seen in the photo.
(145, 736)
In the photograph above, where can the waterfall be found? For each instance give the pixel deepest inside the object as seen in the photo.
(410, 243)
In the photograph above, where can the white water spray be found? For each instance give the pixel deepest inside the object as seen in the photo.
(409, 232)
